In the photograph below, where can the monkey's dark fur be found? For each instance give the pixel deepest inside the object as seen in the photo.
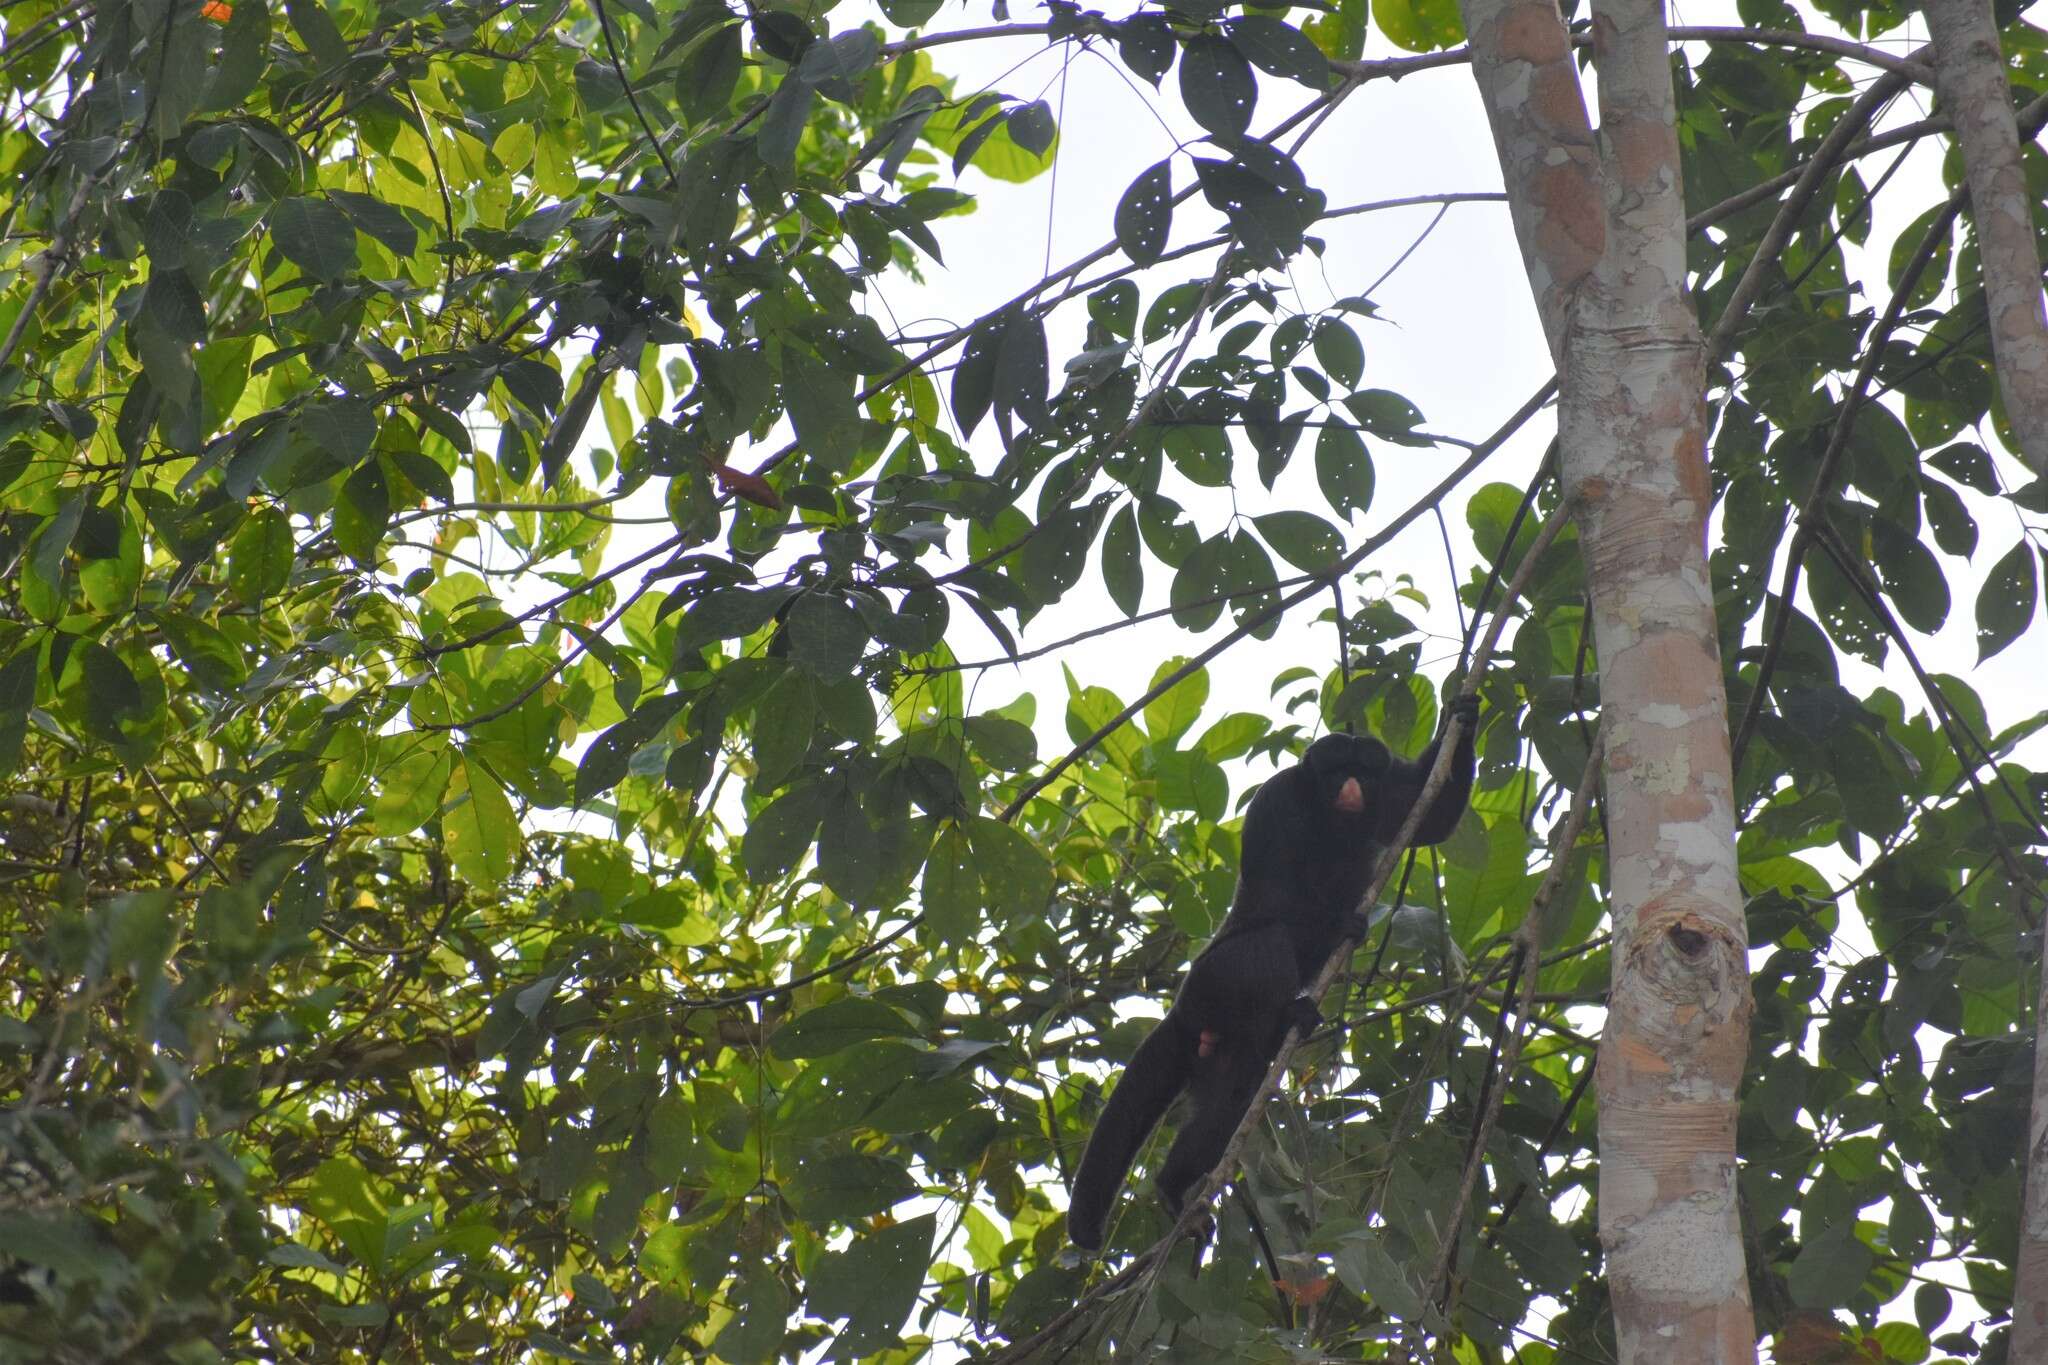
(1310, 840)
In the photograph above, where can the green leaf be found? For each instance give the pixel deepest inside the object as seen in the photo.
(1022, 376)
(1032, 127)
(1343, 470)
(315, 235)
(707, 76)
(753, 1335)
(974, 379)
(821, 408)
(826, 632)
(1338, 351)
(244, 54)
(1303, 539)
(1173, 714)
(873, 1284)
(840, 1189)
(316, 29)
(605, 762)
(844, 56)
(1830, 1268)
(781, 832)
(362, 514)
(952, 889)
(211, 659)
(1123, 569)
(53, 541)
(1144, 215)
(835, 1027)
(783, 125)
(849, 859)
(1018, 878)
(1217, 85)
(261, 555)
(784, 721)
(379, 220)
(409, 791)
(2005, 604)
(1280, 50)
(484, 839)
(910, 13)
(1145, 42)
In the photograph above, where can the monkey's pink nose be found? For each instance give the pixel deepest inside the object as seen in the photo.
(1350, 796)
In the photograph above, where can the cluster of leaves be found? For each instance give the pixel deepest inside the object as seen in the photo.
(405, 839)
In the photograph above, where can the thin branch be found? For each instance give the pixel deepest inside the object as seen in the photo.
(1838, 441)
(1277, 610)
(1528, 947)
(1768, 248)
(1389, 858)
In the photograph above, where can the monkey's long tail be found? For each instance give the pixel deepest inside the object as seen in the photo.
(1158, 1071)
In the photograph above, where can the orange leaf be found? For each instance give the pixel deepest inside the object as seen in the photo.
(220, 11)
(1307, 1291)
(752, 487)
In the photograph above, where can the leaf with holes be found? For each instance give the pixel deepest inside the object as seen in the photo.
(1280, 50)
(1032, 127)
(1145, 213)
(1217, 85)
(1344, 470)
(2005, 603)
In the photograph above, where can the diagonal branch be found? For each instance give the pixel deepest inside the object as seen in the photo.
(1389, 859)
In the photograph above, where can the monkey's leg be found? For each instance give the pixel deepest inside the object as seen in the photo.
(1247, 989)
(1158, 1071)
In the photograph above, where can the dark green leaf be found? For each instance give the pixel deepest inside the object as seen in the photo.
(1280, 50)
(316, 28)
(380, 220)
(1339, 353)
(952, 889)
(1032, 127)
(826, 632)
(261, 555)
(1123, 569)
(706, 78)
(1344, 470)
(780, 833)
(1022, 377)
(2005, 604)
(840, 1189)
(1144, 215)
(974, 380)
(1146, 44)
(873, 1284)
(1018, 878)
(1303, 539)
(1217, 85)
(842, 57)
(821, 408)
(362, 514)
(835, 1027)
(782, 127)
(315, 235)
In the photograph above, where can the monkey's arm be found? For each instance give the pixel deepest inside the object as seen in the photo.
(1405, 782)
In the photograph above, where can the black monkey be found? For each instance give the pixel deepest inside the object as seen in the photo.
(1310, 839)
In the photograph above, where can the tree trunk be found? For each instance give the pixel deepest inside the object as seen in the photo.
(1632, 430)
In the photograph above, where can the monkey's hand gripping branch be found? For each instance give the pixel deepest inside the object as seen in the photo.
(1200, 1196)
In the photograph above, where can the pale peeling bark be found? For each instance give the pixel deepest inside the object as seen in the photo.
(1522, 61)
(2030, 1281)
(1969, 73)
(1632, 429)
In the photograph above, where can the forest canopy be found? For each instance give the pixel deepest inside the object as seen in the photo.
(578, 788)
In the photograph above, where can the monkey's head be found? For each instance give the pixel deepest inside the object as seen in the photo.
(1348, 772)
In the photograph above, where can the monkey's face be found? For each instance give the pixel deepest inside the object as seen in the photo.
(1348, 772)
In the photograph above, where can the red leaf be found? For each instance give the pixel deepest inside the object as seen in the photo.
(752, 487)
